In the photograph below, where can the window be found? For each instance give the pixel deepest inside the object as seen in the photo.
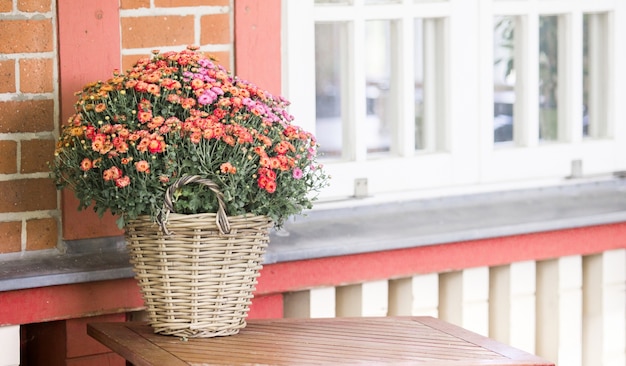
(418, 96)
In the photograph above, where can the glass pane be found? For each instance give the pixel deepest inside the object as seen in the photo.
(586, 75)
(548, 77)
(503, 78)
(594, 75)
(420, 133)
(328, 81)
(379, 109)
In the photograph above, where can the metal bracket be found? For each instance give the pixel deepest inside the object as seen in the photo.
(360, 188)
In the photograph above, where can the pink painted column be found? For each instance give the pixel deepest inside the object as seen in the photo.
(257, 43)
(89, 50)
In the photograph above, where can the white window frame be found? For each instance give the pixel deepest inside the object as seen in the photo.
(469, 161)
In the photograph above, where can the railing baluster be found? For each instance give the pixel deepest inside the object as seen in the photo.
(313, 303)
(604, 308)
(559, 310)
(366, 299)
(464, 298)
(10, 340)
(417, 295)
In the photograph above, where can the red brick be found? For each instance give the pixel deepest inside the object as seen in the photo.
(134, 4)
(26, 36)
(129, 60)
(27, 116)
(178, 3)
(215, 29)
(79, 343)
(6, 6)
(36, 75)
(35, 155)
(222, 57)
(27, 195)
(10, 236)
(8, 151)
(7, 76)
(38, 6)
(41, 234)
(141, 32)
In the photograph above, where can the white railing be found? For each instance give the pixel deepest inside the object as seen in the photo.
(10, 341)
(570, 310)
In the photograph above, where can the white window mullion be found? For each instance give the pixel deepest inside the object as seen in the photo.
(526, 131)
(431, 85)
(570, 33)
(405, 79)
(354, 132)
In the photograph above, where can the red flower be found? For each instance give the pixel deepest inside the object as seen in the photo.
(123, 181)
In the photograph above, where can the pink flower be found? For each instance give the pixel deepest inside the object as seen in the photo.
(297, 173)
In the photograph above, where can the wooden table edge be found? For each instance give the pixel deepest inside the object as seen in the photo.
(148, 354)
(490, 344)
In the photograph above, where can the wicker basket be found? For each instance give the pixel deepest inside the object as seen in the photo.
(197, 272)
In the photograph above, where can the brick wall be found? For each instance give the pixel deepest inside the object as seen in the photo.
(44, 60)
(29, 215)
(170, 25)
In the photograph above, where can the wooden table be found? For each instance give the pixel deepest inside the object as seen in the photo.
(386, 340)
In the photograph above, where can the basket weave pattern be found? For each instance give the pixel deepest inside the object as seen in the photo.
(197, 282)
(197, 273)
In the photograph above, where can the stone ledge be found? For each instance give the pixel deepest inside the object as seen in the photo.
(362, 229)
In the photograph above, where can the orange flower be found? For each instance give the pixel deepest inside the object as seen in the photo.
(270, 187)
(228, 168)
(86, 164)
(112, 173)
(142, 166)
(100, 107)
(76, 131)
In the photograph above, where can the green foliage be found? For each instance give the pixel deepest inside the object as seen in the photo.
(179, 114)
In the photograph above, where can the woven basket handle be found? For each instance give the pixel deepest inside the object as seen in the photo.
(221, 218)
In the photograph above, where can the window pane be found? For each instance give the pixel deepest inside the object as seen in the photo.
(503, 78)
(595, 50)
(548, 77)
(379, 111)
(430, 110)
(420, 133)
(328, 85)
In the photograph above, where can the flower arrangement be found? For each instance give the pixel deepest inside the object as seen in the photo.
(177, 114)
